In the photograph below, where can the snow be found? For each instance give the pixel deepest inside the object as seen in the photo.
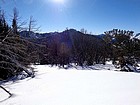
(54, 86)
(138, 37)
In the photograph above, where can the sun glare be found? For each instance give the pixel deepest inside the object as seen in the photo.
(59, 1)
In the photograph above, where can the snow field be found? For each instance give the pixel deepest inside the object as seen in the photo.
(53, 86)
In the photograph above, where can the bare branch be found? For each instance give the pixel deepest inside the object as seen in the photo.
(9, 31)
(6, 90)
(32, 25)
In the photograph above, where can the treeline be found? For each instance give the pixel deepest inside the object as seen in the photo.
(72, 46)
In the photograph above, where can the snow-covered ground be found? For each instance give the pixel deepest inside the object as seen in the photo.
(53, 86)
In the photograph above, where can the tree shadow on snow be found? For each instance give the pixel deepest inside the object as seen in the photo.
(79, 67)
(10, 96)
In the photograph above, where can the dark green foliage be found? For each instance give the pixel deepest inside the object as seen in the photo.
(3, 26)
(37, 50)
(14, 56)
(125, 50)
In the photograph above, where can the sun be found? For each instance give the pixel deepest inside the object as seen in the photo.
(56, 2)
(59, 1)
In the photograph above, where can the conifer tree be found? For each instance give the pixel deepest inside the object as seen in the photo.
(123, 48)
(13, 52)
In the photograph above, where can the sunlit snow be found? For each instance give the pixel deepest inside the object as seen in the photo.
(54, 86)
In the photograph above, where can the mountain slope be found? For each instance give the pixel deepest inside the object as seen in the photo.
(72, 46)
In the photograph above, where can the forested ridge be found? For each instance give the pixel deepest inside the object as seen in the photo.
(20, 48)
(81, 48)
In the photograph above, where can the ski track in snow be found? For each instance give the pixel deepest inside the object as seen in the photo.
(53, 86)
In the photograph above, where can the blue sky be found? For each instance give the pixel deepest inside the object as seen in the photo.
(95, 16)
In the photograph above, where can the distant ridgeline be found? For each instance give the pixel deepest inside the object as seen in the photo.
(71, 46)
